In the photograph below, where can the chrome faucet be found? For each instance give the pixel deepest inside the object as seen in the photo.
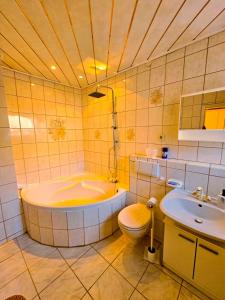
(198, 193)
(218, 201)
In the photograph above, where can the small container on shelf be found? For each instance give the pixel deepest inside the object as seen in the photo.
(165, 151)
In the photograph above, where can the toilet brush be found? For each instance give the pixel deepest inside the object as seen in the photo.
(151, 253)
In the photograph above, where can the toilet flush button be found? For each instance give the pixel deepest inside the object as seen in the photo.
(198, 220)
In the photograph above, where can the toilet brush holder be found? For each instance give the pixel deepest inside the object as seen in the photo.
(152, 255)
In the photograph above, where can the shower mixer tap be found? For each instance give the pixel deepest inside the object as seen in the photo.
(97, 94)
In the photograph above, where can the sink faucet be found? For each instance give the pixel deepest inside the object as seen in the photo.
(218, 201)
(198, 193)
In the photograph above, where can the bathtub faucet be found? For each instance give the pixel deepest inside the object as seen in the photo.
(113, 179)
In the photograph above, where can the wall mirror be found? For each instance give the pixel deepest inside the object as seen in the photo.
(202, 116)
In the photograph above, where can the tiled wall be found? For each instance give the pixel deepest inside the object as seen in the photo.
(148, 107)
(211, 177)
(11, 219)
(46, 127)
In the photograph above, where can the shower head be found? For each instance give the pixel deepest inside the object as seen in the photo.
(96, 94)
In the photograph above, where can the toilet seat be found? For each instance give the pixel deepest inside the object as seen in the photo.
(132, 229)
(134, 217)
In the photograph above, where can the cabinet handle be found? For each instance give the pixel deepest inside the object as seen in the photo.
(186, 238)
(208, 249)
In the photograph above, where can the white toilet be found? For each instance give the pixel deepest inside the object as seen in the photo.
(134, 220)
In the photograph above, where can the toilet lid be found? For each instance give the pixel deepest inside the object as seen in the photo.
(134, 216)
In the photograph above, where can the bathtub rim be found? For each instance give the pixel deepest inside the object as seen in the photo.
(71, 208)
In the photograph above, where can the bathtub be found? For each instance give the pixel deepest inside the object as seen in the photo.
(72, 211)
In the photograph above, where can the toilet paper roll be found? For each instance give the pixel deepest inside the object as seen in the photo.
(151, 202)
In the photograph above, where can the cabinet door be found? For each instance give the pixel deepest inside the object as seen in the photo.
(210, 268)
(179, 250)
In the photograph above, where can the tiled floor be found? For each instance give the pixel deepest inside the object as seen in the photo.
(111, 269)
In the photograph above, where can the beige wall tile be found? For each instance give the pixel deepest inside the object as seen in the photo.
(11, 209)
(216, 58)
(143, 81)
(197, 46)
(215, 80)
(172, 93)
(174, 55)
(210, 155)
(170, 114)
(195, 64)
(157, 76)
(155, 115)
(174, 70)
(193, 85)
(23, 88)
(217, 39)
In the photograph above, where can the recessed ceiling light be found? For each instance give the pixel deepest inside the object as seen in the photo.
(101, 67)
(80, 76)
(53, 67)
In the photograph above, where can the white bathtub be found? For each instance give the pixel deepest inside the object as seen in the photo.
(72, 211)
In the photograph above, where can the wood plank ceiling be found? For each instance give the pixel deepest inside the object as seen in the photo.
(89, 40)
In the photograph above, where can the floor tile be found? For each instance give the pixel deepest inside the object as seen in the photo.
(47, 269)
(8, 249)
(65, 287)
(112, 246)
(137, 296)
(36, 251)
(89, 267)
(11, 268)
(71, 255)
(87, 297)
(111, 285)
(170, 273)
(195, 291)
(131, 264)
(21, 285)
(156, 285)
(186, 295)
(24, 241)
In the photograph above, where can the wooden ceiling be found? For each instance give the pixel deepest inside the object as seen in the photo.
(76, 36)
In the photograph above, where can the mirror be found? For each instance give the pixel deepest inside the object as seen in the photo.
(202, 116)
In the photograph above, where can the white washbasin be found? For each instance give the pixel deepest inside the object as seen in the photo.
(205, 218)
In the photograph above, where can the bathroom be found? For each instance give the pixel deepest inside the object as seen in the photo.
(112, 172)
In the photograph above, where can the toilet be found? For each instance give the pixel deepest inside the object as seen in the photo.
(134, 220)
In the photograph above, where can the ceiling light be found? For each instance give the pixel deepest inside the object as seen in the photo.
(80, 76)
(101, 67)
(53, 67)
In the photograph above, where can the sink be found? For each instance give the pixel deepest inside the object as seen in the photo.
(205, 218)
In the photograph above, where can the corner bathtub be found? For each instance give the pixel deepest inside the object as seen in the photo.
(72, 211)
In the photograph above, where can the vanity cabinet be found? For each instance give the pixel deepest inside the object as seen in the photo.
(179, 250)
(210, 268)
(200, 262)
